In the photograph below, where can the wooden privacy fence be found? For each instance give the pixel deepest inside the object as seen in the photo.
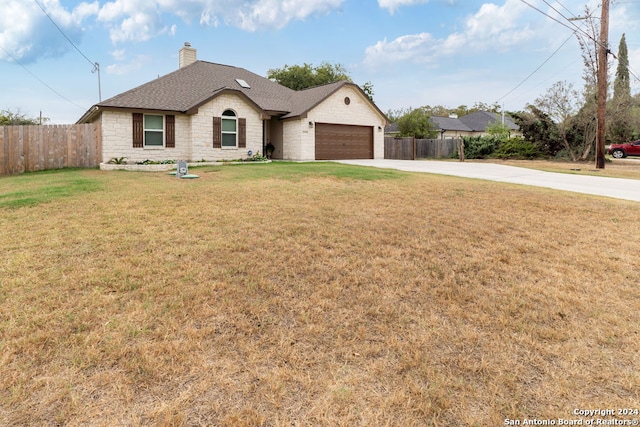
(411, 148)
(37, 148)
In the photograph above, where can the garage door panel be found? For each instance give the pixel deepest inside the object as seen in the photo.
(339, 142)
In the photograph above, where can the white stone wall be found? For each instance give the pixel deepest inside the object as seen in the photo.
(194, 134)
(291, 136)
(334, 110)
(358, 112)
(117, 139)
(202, 129)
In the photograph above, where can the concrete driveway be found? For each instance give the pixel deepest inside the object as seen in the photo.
(619, 188)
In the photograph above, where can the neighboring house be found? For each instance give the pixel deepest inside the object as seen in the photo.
(391, 130)
(451, 127)
(479, 121)
(207, 111)
(474, 124)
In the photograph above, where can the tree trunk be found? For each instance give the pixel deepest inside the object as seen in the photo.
(568, 147)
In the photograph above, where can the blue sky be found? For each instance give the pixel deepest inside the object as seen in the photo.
(415, 52)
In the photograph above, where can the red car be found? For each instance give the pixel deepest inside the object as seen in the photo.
(619, 151)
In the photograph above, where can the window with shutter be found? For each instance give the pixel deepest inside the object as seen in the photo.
(229, 129)
(153, 131)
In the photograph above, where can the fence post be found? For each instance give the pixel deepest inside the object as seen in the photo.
(413, 154)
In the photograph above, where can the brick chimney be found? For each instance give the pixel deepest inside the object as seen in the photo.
(187, 55)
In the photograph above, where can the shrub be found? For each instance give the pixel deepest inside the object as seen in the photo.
(517, 148)
(255, 158)
(156, 162)
(479, 147)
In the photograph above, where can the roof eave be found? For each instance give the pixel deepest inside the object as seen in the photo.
(89, 115)
(304, 114)
(194, 109)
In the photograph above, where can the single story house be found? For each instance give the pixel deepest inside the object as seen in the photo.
(474, 124)
(208, 111)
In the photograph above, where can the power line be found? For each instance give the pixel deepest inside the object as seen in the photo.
(536, 70)
(565, 8)
(63, 33)
(576, 28)
(40, 80)
(95, 65)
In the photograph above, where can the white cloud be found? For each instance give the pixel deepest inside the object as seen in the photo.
(208, 18)
(413, 48)
(118, 54)
(491, 28)
(26, 32)
(392, 5)
(123, 68)
(143, 19)
(259, 14)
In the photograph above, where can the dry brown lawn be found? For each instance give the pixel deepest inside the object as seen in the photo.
(312, 294)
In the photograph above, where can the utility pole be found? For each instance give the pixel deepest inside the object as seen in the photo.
(602, 84)
(96, 68)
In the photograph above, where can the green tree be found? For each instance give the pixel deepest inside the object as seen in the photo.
(437, 110)
(539, 129)
(635, 116)
(11, 118)
(394, 114)
(584, 125)
(481, 106)
(367, 88)
(497, 128)
(299, 77)
(417, 124)
(620, 123)
(622, 86)
(561, 104)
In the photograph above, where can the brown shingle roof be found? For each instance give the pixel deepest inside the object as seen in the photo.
(184, 90)
(191, 86)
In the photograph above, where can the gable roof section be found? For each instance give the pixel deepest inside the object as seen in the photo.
(480, 120)
(306, 100)
(449, 123)
(188, 88)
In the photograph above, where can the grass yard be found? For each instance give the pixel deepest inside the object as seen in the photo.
(312, 294)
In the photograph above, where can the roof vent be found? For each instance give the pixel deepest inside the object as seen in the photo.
(243, 83)
(187, 55)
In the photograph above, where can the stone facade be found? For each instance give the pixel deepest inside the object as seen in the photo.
(300, 135)
(294, 138)
(202, 129)
(193, 134)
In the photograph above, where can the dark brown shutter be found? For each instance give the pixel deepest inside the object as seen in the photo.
(217, 132)
(138, 130)
(170, 130)
(242, 133)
